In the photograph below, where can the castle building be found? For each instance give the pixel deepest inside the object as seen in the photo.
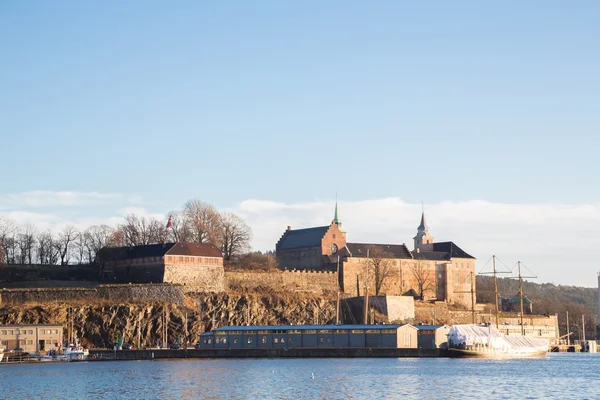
(431, 271)
(189, 264)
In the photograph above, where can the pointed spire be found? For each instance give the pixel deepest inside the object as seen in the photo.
(423, 226)
(336, 218)
(335, 214)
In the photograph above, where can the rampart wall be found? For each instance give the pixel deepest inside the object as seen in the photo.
(296, 281)
(167, 293)
(36, 272)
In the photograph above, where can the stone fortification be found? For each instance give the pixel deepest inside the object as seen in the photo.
(323, 283)
(166, 293)
(36, 272)
(194, 278)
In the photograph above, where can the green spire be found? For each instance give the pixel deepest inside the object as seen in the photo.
(335, 215)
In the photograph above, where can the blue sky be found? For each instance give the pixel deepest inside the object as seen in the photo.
(286, 102)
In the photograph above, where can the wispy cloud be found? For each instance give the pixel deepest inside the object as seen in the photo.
(557, 242)
(41, 199)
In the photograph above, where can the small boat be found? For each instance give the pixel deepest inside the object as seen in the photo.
(1, 353)
(73, 352)
(485, 341)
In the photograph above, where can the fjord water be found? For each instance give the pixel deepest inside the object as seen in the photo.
(560, 376)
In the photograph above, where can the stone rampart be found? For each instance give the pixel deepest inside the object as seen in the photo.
(141, 293)
(134, 293)
(46, 295)
(35, 272)
(279, 281)
(196, 278)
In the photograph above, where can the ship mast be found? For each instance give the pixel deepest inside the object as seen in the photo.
(496, 291)
(521, 297)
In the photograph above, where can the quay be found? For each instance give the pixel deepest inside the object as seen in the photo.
(157, 354)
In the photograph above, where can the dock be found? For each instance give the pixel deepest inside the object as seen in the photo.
(157, 354)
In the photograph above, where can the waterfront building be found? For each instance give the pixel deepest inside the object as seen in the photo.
(432, 336)
(31, 338)
(190, 264)
(431, 271)
(311, 336)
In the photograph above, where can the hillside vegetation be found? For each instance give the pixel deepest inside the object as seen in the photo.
(548, 298)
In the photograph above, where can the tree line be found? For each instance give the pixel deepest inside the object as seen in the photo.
(196, 222)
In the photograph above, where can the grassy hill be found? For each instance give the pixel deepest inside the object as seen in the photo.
(548, 299)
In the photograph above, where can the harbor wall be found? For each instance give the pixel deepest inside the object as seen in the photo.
(150, 354)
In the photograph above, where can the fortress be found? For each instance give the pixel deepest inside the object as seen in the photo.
(316, 260)
(431, 271)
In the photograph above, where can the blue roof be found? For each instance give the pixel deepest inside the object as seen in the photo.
(428, 327)
(298, 238)
(304, 327)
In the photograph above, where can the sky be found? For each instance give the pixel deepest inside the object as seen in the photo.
(485, 112)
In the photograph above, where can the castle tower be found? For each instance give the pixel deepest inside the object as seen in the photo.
(423, 240)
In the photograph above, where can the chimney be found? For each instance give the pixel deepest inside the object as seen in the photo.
(289, 228)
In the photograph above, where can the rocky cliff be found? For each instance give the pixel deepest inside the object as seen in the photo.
(98, 325)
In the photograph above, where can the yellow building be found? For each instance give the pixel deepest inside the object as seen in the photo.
(31, 338)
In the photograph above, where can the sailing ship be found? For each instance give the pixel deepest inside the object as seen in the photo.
(481, 341)
(486, 341)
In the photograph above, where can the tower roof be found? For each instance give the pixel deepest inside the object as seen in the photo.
(423, 226)
(336, 219)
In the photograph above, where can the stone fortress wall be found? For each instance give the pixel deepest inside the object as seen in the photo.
(322, 283)
(121, 293)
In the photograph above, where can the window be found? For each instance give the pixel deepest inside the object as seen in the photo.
(249, 339)
(456, 278)
(328, 340)
(18, 332)
(30, 332)
(42, 331)
(320, 340)
(4, 332)
(30, 342)
(209, 341)
(234, 340)
(275, 340)
(263, 339)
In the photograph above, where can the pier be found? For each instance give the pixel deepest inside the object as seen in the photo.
(156, 354)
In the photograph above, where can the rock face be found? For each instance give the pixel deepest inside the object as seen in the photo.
(142, 324)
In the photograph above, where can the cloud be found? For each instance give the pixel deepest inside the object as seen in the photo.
(56, 199)
(556, 242)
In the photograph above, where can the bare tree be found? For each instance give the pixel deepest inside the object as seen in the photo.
(179, 230)
(141, 230)
(97, 237)
(235, 236)
(26, 243)
(424, 276)
(80, 246)
(47, 249)
(203, 222)
(379, 266)
(7, 242)
(64, 242)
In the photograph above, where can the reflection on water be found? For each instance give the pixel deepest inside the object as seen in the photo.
(560, 376)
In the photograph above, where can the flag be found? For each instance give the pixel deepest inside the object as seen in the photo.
(170, 222)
